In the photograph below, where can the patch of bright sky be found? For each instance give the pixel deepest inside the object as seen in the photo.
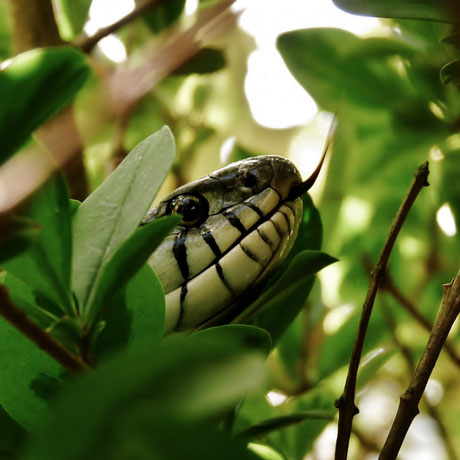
(275, 97)
(446, 220)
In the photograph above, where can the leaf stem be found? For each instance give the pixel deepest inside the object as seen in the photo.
(346, 404)
(409, 400)
(36, 334)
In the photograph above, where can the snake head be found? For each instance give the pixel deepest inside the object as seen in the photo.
(237, 225)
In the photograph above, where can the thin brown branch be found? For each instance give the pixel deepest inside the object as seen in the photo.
(36, 334)
(409, 400)
(389, 286)
(431, 409)
(88, 43)
(346, 403)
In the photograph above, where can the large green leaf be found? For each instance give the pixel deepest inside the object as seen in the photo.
(114, 210)
(29, 377)
(326, 63)
(11, 435)
(184, 381)
(277, 307)
(126, 261)
(405, 9)
(137, 313)
(72, 17)
(46, 264)
(34, 86)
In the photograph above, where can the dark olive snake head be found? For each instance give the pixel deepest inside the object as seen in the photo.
(237, 225)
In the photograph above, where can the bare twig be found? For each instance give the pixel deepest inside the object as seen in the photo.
(431, 409)
(88, 43)
(409, 401)
(36, 334)
(346, 404)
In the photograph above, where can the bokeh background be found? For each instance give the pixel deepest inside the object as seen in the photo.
(229, 87)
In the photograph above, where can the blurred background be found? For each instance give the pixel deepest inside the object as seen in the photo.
(220, 77)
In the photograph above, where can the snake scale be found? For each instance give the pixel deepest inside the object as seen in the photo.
(237, 225)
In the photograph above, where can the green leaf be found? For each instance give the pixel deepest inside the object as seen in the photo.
(17, 234)
(206, 60)
(29, 377)
(277, 307)
(72, 17)
(143, 436)
(241, 335)
(450, 73)
(11, 435)
(28, 300)
(336, 349)
(135, 314)
(267, 426)
(126, 261)
(46, 264)
(184, 381)
(163, 14)
(320, 61)
(372, 362)
(114, 210)
(405, 9)
(36, 85)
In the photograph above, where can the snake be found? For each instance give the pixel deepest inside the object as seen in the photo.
(237, 225)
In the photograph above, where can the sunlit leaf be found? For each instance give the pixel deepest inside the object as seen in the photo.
(46, 264)
(404, 9)
(114, 210)
(28, 98)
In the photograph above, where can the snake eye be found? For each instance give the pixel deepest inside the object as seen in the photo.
(190, 208)
(249, 180)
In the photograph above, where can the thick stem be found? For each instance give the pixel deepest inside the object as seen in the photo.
(346, 403)
(36, 334)
(409, 400)
(33, 24)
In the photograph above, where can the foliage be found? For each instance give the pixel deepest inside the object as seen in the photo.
(79, 270)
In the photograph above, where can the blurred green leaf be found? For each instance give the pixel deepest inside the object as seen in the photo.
(11, 436)
(17, 233)
(372, 362)
(163, 14)
(450, 73)
(184, 381)
(277, 307)
(143, 435)
(45, 265)
(114, 210)
(240, 335)
(336, 349)
(406, 9)
(206, 60)
(137, 313)
(267, 426)
(296, 441)
(126, 261)
(29, 377)
(320, 60)
(72, 17)
(5, 41)
(46, 79)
